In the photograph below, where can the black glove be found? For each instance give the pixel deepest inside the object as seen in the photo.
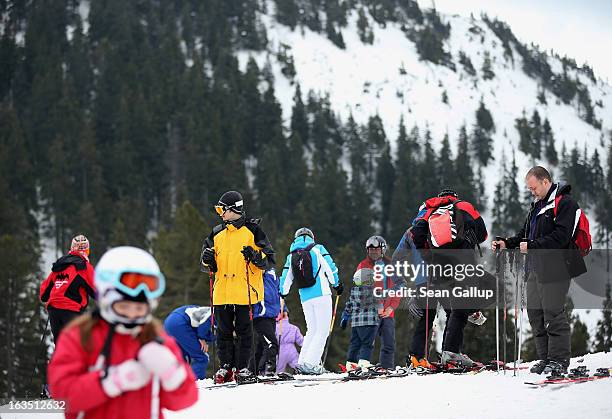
(339, 288)
(414, 309)
(208, 259)
(253, 256)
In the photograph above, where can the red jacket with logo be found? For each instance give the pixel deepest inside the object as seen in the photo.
(75, 378)
(69, 284)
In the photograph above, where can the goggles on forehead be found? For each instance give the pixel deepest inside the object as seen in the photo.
(374, 242)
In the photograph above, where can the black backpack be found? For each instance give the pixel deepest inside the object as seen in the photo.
(301, 266)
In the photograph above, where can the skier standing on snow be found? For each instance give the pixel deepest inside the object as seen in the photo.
(264, 321)
(376, 246)
(239, 252)
(68, 286)
(313, 270)
(118, 361)
(552, 221)
(190, 325)
(288, 335)
(428, 240)
(362, 308)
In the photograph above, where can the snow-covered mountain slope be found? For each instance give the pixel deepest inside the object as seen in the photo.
(484, 395)
(364, 80)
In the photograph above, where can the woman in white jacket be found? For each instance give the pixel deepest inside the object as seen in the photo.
(313, 270)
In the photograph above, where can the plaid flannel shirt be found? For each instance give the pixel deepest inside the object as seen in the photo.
(363, 306)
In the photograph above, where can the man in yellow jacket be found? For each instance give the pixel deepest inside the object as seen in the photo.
(238, 251)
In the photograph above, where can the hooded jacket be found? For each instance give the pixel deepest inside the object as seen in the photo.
(69, 284)
(327, 276)
(227, 240)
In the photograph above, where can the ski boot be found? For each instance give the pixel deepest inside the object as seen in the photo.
(350, 366)
(225, 374)
(580, 372)
(245, 376)
(555, 370)
(539, 366)
(457, 360)
(418, 363)
(269, 370)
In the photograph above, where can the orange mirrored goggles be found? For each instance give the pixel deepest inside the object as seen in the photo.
(220, 209)
(134, 281)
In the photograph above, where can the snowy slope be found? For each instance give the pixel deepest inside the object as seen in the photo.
(363, 80)
(485, 395)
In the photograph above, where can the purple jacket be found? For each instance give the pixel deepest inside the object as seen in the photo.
(287, 352)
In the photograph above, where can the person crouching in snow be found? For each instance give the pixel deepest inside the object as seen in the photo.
(288, 336)
(191, 327)
(362, 310)
(118, 362)
(313, 270)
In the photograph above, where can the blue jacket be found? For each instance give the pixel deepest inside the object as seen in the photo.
(328, 275)
(202, 331)
(269, 307)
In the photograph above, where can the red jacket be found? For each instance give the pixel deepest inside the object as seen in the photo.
(73, 378)
(69, 284)
(384, 284)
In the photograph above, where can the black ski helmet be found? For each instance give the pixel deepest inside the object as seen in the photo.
(448, 192)
(303, 231)
(230, 200)
(377, 241)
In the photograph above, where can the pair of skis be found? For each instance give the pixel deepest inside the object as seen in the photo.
(579, 375)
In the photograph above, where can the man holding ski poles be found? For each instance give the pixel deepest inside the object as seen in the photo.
(556, 222)
(238, 251)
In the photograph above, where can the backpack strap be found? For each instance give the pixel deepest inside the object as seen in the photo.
(557, 199)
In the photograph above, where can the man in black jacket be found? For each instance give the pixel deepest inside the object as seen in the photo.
(546, 237)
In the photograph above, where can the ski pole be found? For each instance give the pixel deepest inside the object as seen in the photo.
(427, 322)
(250, 315)
(497, 269)
(504, 329)
(212, 319)
(331, 328)
(516, 296)
(42, 346)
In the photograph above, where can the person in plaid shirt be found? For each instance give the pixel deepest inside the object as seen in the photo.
(362, 308)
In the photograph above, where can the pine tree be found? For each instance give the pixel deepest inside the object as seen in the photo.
(366, 35)
(603, 335)
(360, 186)
(466, 187)
(487, 70)
(482, 145)
(177, 251)
(445, 165)
(548, 140)
(407, 193)
(299, 119)
(484, 119)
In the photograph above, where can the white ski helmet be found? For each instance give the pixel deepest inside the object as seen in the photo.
(128, 273)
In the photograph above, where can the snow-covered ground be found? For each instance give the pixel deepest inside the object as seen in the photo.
(484, 395)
